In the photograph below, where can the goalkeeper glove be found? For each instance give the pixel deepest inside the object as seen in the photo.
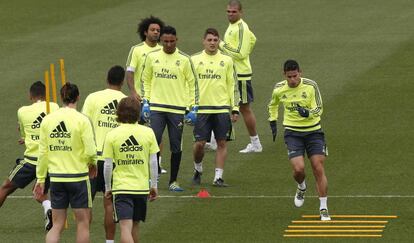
(273, 127)
(146, 111)
(191, 117)
(303, 112)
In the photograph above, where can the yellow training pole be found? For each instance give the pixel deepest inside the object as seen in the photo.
(339, 222)
(62, 71)
(53, 80)
(334, 231)
(355, 216)
(332, 235)
(336, 226)
(47, 92)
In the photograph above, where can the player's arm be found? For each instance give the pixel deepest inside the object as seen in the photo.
(245, 43)
(232, 87)
(42, 163)
(154, 149)
(108, 154)
(88, 140)
(87, 108)
(273, 106)
(316, 102)
(20, 128)
(192, 83)
(146, 77)
(131, 66)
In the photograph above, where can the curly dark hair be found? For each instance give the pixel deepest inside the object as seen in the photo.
(145, 23)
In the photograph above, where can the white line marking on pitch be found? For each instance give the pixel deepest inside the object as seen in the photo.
(261, 196)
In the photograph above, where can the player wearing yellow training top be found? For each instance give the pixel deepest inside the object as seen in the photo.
(67, 151)
(24, 172)
(170, 87)
(238, 43)
(149, 32)
(133, 149)
(101, 107)
(302, 105)
(218, 98)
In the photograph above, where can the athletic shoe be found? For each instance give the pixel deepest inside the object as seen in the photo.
(210, 146)
(299, 197)
(197, 177)
(324, 215)
(175, 187)
(250, 148)
(219, 183)
(48, 220)
(163, 171)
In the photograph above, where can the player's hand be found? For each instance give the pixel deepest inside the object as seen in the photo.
(93, 171)
(273, 127)
(38, 190)
(303, 112)
(153, 194)
(108, 194)
(21, 141)
(146, 111)
(234, 116)
(191, 117)
(136, 95)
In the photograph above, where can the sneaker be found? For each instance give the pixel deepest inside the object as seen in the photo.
(324, 215)
(197, 177)
(299, 197)
(175, 187)
(219, 183)
(250, 148)
(48, 220)
(210, 146)
(163, 171)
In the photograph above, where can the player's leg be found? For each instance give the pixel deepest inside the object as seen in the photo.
(59, 217)
(140, 213)
(201, 132)
(175, 132)
(316, 149)
(18, 178)
(80, 199)
(221, 125)
(109, 224)
(135, 232)
(60, 202)
(246, 97)
(126, 226)
(6, 189)
(82, 224)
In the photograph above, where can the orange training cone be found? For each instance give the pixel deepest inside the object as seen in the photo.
(203, 193)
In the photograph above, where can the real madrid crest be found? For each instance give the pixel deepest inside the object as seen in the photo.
(177, 63)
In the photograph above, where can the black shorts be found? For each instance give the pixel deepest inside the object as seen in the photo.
(130, 206)
(246, 91)
(98, 183)
(298, 142)
(219, 123)
(77, 194)
(23, 173)
(174, 123)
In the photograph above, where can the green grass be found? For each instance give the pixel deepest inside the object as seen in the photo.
(360, 52)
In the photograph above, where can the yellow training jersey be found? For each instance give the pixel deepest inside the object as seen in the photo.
(66, 146)
(29, 118)
(130, 147)
(216, 82)
(238, 43)
(100, 107)
(136, 60)
(169, 81)
(306, 95)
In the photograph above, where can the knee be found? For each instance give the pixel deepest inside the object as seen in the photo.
(299, 169)
(199, 145)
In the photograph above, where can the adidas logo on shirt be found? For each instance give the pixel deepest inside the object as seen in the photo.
(38, 121)
(131, 144)
(110, 109)
(60, 131)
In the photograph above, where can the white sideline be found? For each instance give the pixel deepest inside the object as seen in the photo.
(261, 196)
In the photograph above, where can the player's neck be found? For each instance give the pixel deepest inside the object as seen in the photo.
(114, 87)
(71, 105)
(150, 43)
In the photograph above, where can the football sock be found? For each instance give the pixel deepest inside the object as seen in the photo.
(175, 166)
(254, 140)
(198, 167)
(46, 205)
(323, 203)
(213, 139)
(302, 185)
(219, 174)
(110, 241)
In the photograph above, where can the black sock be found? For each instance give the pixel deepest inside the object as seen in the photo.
(175, 166)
